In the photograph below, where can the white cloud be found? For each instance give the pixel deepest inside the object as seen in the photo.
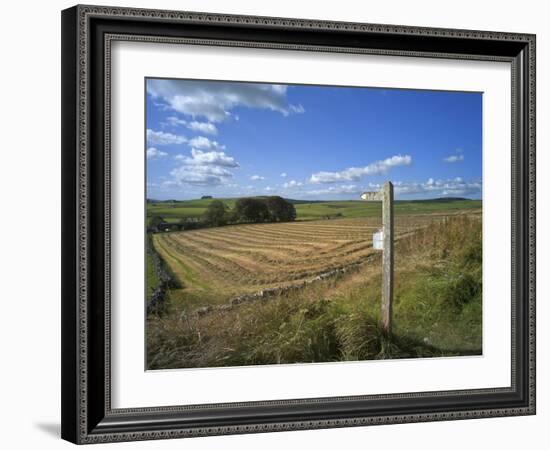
(204, 143)
(296, 109)
(203, 127)
(162, 138)
(292, 184)
(356, 173)
(455, 187)
(175, 121)
(200, 158)
(336, 190)
(257, 177)
(154, 153)
(207, 175)
(168, 184)
(454, 158)
(452, 187)
(283, 175)
(203, 168)
(215, 100)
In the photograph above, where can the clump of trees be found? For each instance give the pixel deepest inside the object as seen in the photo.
(264, 209)
(246, 210)
(250, 210)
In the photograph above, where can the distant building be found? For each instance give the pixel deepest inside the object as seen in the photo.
(164, 226)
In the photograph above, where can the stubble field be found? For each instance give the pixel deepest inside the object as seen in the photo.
(217, 264)
(325, 281)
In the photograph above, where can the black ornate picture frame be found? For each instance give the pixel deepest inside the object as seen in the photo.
(87, 34)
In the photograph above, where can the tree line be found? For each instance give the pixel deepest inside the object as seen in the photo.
(250, 210)
(246, 210)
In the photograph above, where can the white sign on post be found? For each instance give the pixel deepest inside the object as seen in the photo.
(371, 196)
(378, 240)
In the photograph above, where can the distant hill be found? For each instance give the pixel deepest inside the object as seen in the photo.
(302, 202)
(427, 200)
(442, 200)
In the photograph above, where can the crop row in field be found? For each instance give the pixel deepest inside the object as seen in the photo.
(220, 263)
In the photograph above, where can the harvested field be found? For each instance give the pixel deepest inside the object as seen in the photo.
(437, 304)
(216, 264)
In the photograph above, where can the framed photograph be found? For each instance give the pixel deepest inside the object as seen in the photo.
(279, 224)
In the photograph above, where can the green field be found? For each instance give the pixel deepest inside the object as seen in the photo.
(174, 211)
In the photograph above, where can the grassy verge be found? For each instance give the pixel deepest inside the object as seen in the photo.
(437, 312)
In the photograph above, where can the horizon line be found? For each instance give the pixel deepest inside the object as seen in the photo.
(307, 199)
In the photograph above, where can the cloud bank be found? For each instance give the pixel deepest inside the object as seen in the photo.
(201, 127)
(455, 187)
(203, 143)
(154, 153)
(216, 101)
(162, 138)
(356, 173)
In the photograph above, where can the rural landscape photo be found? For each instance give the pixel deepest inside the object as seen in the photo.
(310, 224)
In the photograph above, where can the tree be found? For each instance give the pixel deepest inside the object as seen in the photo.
(280, 210)
(251, 210)
(231, 216)
(155, 221)
(215, 214)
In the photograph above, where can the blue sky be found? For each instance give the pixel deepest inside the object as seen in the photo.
(230, 139)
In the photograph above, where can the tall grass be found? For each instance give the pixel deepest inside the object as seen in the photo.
(437, 312)
(439, 292)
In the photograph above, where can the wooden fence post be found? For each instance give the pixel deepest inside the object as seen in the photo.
(387, 257)
(386, 196)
